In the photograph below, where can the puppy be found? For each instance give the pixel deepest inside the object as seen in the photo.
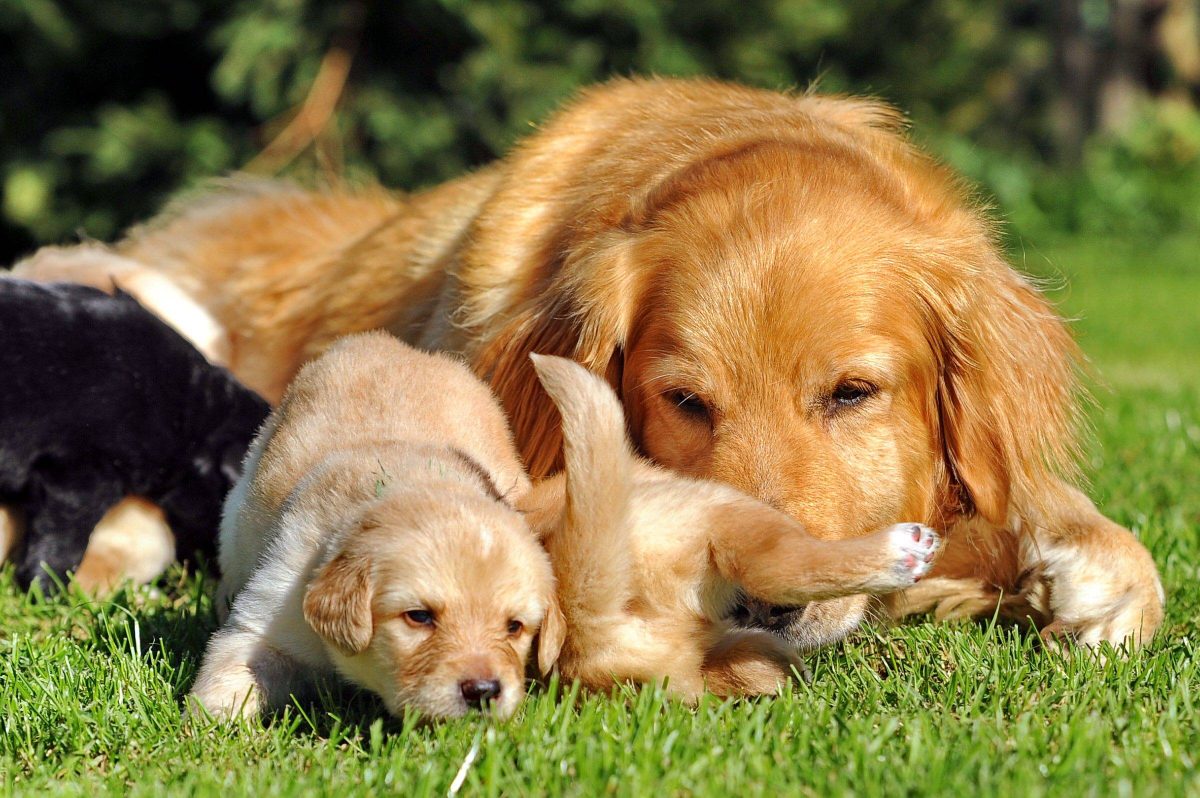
(650, 565)
(373, 534)
(103, 400)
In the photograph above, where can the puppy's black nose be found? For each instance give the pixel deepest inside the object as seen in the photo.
(477, 691)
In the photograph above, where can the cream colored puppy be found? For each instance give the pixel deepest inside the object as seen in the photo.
(650, 565)
(372, 534)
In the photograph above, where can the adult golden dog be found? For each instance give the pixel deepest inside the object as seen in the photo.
(785, 293)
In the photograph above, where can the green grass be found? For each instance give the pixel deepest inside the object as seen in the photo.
(90, 693)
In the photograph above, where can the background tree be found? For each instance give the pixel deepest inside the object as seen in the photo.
(1077, 114)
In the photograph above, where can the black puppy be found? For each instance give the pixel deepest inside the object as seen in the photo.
(99, 400)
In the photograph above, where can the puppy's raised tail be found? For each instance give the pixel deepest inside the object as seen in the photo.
(591, 552)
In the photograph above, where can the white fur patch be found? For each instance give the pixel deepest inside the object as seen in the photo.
(486, 541)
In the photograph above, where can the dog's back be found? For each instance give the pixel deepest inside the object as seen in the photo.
(368, 390)
(371, 387)
(75, 360)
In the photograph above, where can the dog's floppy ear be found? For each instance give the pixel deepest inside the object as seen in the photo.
(584, 315)
(1007, 393)
(504, 363)
(337, 603)
(551, 636)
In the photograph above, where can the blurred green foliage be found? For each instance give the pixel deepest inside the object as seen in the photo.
(1141, 183)
(109, 106)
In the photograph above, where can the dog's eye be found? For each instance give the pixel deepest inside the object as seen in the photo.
(419, 618)
(515, 627)
(851, 393)
(688, 403)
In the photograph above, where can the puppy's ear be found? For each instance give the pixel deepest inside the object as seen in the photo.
(337, 604)
(1007, 395)
(551, 636)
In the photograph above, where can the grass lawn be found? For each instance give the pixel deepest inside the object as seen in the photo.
(90, 692)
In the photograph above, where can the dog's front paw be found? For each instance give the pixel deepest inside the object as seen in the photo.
(231, 700)
(1087, 597)
(911, 549)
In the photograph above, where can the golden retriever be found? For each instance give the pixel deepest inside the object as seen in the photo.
(785, 293)
(373, 535)
(650, 565)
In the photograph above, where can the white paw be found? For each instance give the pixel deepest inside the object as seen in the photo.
(224, 702)
(914, 547)
(1086, 599)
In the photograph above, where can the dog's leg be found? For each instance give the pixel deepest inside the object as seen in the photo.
(12, 530)
(59, 525)
(773, 558)
(1090, 576)
(947, 598)
(132, 541)
(750, 662)
(242, 674)
(1072, 572)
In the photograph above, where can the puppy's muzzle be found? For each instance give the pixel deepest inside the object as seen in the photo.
(478, 692)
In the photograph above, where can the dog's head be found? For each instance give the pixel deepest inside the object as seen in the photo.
(433, 603)
(823, 322)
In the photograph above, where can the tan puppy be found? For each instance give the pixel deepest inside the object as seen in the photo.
(372, 534)
(650, 565)
(786, 294)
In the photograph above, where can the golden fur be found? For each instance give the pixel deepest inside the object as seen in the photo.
(12, 530)
(372, 534)
(786, 295)
(133, 541)
(650, 565)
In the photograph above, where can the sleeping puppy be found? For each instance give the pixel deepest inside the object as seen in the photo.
(373, 534)
(103, 400)
(650, 565)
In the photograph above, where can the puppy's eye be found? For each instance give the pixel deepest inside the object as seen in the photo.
(419, 618)
(851, 393)
(688, 403)
(515, 627)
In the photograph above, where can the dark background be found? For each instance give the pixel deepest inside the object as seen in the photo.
(1077, 116)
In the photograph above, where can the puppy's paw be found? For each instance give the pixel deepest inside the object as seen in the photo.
(911, 549)
(227, 686)
(223, 702)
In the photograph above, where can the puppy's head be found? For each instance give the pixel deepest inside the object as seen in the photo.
(821, 320)
(433, 603)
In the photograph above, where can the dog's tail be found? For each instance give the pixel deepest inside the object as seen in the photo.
(591, 552)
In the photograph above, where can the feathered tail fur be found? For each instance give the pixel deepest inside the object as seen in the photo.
(591, 551)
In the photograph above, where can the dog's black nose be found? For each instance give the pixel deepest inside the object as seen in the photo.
(477, 691)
